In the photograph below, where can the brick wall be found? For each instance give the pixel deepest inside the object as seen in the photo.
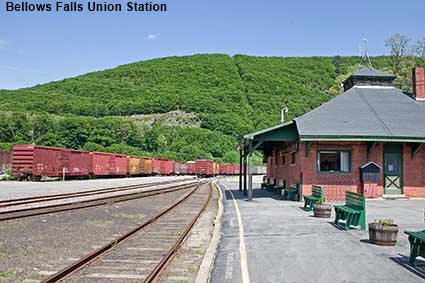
(418, 80)
(413, 172)
(336, 184)
(288, 172)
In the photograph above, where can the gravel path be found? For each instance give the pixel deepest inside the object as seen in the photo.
(15, 189)
(32, 248)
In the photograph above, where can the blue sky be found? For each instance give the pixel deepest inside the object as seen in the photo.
(38, 47)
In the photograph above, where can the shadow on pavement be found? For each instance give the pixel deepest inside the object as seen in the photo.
(404, 262)
(257, 193)
(337, 226)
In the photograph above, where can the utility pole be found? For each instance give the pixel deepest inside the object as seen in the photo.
(250, 171)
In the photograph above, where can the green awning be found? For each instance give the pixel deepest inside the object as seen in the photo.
(282, 132)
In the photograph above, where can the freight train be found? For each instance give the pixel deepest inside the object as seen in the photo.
(5, 161)
(34, 162)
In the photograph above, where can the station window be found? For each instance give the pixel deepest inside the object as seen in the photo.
(334, 161)
(283, 160)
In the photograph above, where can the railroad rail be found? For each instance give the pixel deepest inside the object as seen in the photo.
(119, 194)
(28, 200)
(146, 249)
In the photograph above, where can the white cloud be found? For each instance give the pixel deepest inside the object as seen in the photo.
(9, 67)
(152, 36)
(3, 43)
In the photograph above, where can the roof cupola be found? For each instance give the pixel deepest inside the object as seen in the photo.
(368, 76)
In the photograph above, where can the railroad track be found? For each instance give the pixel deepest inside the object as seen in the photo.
(19, 208)
(141, 254)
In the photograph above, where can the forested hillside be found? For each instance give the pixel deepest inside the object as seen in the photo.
(230, 95)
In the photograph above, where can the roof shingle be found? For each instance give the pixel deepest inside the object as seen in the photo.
(366, 112)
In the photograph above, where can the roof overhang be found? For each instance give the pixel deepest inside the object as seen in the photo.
(285, 132)
(282, 132)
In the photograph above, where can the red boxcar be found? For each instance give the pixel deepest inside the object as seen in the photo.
(103, 164)
(190, 168)
(227, 169)
(236, 169)
(156, 166)
(222, 168)
(120, 165)
(5, 161)
(177, 168)
(167, 167)
(204, 167)
(79, 163)
(183, 168)
(37, 161)
(100, 163)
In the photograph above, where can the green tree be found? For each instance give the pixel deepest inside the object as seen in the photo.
(50, 139)
(91, 146)
(73, 131)
(399, 48)
(419, 48)
(20, 126)
(40, 125)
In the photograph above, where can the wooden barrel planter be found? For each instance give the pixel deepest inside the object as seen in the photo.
(383, 235)
(322, 210)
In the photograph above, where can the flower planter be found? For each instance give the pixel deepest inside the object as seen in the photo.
(322, 210)
(383, 235)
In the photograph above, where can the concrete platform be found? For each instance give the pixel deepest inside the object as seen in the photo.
(15, 189)
(284, 243)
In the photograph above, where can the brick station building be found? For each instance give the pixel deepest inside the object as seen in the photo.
(372, 122)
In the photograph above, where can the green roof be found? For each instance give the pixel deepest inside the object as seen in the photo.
(254, 134)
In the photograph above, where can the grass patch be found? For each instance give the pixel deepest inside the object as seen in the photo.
(130, 216)
(34, 275)
(9, 276)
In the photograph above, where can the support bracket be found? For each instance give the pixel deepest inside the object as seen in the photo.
(307, 148)
(370, 147)
(415, 148)
(257, 145)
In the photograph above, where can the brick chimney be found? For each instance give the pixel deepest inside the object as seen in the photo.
(418, 79)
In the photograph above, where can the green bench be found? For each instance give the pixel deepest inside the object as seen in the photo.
(316, 197)
(289, 193)
(269, 187)
(353, 212)
(417, 245)
(278, 189)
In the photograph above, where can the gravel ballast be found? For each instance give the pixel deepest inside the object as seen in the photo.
(33, 248)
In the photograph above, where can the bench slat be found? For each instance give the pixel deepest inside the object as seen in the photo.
(316, 196)
(420, 234)
(353, 212)
(417, 245)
